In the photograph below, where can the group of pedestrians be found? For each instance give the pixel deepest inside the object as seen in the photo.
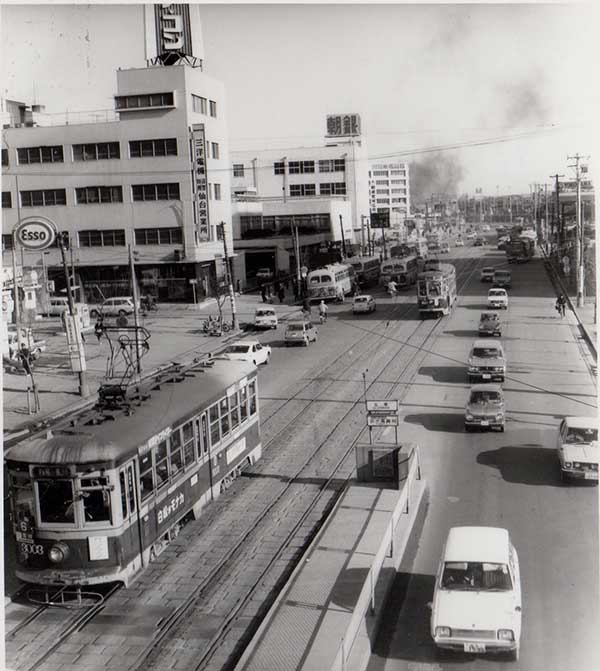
(265, 292)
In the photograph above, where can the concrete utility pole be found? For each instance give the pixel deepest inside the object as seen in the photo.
(362, 234)
(228, 276)
(556, 227)
(136, 319)
(580, 242)
(343, 237)
(546, 214)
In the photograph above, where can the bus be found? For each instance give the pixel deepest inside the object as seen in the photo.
(436, 290)
(403, 271)
(99, 494)
(366, 269)
(330, 282)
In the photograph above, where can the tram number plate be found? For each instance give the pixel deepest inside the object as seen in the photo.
(590, 476)
(474, 647)
(486, 376)
(484, 422)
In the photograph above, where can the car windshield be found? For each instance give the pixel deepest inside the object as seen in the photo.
(496, 294)
(489, 317)
(361, 299)
(265, 313)
(295, 327)
(579, 435)
(238, 349)
(485, 397)
(476, 576)
(486, 352)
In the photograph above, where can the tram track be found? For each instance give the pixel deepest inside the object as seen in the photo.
(313, 504)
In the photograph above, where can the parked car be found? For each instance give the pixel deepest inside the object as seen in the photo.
(364, 303)
(265, 318)
(502, 278)
(34, 345)
(577, 446)
(485, 228)
(503, 241)
(489, 324)
(300, 331)
(479, 242)
(459, 243)
(485, 407)
(471, 235)
(57, 305)
(477, 597)
(487, 274)
(487, 361)
(497, 298)
(247, 350)
(113, 307)
(265, 275)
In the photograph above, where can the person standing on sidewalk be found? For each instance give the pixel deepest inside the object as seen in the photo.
(281, 293)
(561, 305)
(263, 293)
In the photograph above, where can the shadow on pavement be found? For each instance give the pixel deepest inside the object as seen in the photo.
(456, 374)
(438, 421)
(471, 333)
(529, 464)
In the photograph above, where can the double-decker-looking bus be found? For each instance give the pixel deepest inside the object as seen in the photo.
(403, 271)
(403, 249)
(97, 496)
(366, 269)
(330, 282)
(436, 290)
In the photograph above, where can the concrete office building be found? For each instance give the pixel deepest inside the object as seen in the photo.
(156, 177)
(389, 190)
(319, 190)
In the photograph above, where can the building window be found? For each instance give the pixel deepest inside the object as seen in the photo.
(7, 241)
(92, 195)
(217, 191)
(28, 155)
(5, 157)
(332, 189)
(302, 189)
(43, 197)
(96, 151)
(401, 173)
(384, 182)
(380, 173)
(143, 101)
(382, 201)
(158, 236)
(213, 108)
(238, 169)
(215, 149)
(110, 238)
(300, 167)
(146, 148)
(398, 190)
(333, 165)
(382, 192)
(6, 199)
(199, 104)
(279, 167)
(155, 191)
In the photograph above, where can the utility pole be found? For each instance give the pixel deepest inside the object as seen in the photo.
(556, 227)
(546, 214)
(369, 236)
(136, 319)
(84, 389)
(580, 241)
(283, 160)
(228, 276)
(343, 237)
(362, 234)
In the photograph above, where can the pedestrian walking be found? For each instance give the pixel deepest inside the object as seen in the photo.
(340, 295)
(323, 312)
(392, 288)
(263, 293)
(295, 290)
(281, 293)
(561, 305)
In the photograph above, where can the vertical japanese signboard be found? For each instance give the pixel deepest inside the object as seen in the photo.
(343, 125)
(173, 29)
(200, 182)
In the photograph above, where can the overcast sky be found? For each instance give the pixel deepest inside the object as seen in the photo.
(421, 76)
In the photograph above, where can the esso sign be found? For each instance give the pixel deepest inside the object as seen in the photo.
(35, 234)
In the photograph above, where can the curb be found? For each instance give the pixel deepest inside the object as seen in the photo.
(556, 280)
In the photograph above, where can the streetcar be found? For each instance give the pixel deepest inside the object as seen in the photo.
(436, 290)
(332, 281)
(95, 498)
(403, 271)
(366, 269)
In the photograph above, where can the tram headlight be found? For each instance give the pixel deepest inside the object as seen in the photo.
(58, 552)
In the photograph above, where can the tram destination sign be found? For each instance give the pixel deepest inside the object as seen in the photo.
(382, 420)
(35, 233)
(383, 407)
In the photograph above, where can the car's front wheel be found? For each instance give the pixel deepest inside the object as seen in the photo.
(122, 313)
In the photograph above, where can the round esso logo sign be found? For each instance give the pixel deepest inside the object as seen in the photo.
(35, 233)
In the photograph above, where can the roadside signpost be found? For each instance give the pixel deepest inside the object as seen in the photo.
(382, 413)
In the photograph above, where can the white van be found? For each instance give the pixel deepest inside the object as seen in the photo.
(265, 318)
(476, 604)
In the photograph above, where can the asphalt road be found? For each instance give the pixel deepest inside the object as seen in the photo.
(509, 480)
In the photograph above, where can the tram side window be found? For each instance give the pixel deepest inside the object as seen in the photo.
(130, 490)
(56, 501)
(188, 444)
(215, 426)
(123, 494)
(175, 455)
(243, 404)
(146, 475)
(224, 412)
(96, 500)
(162, 467)
(233, 414)
(203, 434)
(252, 395)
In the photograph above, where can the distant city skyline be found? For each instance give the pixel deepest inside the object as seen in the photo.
(474, 96)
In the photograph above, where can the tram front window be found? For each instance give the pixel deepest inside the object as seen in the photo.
(96, 502)
(434, 289)
(56, 501)
(422, 289)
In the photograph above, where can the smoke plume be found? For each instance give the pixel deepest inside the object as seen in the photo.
(524, 101)
(434, 174)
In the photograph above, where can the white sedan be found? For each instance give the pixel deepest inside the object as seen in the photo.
(364, 303)
(578, 448)
(248, 350)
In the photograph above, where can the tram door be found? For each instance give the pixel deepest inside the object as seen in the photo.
(130, 539)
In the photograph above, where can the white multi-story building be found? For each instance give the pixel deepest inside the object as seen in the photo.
(155, 178)
(320, 191)
(389, 190)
